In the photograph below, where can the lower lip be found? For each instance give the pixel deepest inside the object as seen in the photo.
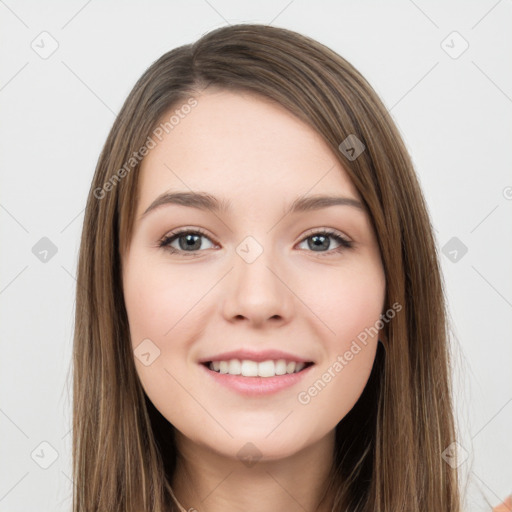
(257, 386)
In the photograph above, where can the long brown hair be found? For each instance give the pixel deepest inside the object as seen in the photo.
(388, 452)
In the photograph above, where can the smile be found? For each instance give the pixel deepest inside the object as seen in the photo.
(248, 368)
(255, 379)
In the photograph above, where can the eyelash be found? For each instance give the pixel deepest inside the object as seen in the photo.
(165, 242)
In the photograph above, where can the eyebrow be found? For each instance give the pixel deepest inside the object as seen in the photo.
(207, 202)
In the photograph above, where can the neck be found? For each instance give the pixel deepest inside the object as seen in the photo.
(206, 481)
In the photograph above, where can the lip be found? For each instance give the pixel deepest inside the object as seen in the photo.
(263, 355)
(256, 386)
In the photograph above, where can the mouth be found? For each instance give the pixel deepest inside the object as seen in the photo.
(256, 378)
(255, 373)
(262, 369)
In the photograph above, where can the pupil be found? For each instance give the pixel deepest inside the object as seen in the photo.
(324, 243)
(189, 244)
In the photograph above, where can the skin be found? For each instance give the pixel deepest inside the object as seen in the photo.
(506, 506)
(253, 152)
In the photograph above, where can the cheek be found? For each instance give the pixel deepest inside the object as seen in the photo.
(160, 306)
(337, 386)
(157, 298)
(351, 311)
(349, 301)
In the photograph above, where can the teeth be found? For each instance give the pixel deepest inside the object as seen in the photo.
(280, 367)
(248, 368)
(235, 367)
(266, 369)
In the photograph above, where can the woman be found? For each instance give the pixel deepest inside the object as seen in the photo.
(260, 319)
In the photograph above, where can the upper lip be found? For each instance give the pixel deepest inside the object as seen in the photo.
(263, 355)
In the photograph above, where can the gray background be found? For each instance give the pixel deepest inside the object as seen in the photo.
(453, 109)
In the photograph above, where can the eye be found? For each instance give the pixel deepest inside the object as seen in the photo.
(320, 241)
(188, 241)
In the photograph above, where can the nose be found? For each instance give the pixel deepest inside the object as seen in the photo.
(258, 292)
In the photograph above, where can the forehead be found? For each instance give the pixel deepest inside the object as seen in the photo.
(244, 148)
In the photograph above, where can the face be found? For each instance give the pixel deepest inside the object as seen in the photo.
(252, 286)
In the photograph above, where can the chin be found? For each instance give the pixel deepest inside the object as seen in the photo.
(263, 442)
